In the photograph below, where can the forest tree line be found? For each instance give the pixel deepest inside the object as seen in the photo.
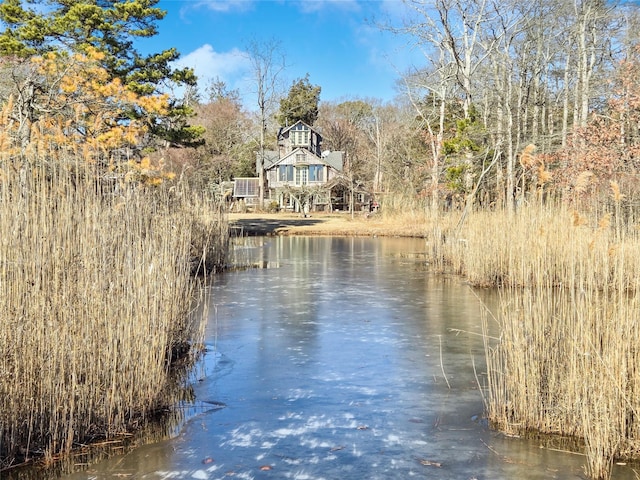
(511, 98)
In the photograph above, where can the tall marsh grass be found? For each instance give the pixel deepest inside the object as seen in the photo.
(96, 297)
(567, 360)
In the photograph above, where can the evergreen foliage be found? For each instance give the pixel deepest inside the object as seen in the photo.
(301, 103)
(37, 27)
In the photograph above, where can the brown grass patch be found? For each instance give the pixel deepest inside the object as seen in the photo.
(332, 224)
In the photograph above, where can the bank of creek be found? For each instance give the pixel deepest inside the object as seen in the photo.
(341, 358)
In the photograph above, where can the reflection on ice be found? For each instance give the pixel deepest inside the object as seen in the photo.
(331, 367)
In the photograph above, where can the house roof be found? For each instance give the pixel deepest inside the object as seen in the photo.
(334, 159)
(283, 130)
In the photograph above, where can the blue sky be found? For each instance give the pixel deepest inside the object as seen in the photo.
(334, 41)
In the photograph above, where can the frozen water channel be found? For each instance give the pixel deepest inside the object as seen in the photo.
(343, 359)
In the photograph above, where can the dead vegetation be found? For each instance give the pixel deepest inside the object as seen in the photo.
(567, 355)
(97, 297)
(96, 292)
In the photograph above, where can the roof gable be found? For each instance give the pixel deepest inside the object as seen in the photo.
(284, 130)
(309, 158)
(270, 158)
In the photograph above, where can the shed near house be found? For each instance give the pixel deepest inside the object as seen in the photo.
(247, 190)
(245, 187)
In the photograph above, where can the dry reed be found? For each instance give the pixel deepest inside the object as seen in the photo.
(567, 358)
(96, 297)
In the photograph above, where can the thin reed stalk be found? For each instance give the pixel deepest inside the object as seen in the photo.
(541, 244)
(96, 300)
(567, 356)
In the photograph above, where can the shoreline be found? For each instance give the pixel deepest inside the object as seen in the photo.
(329, 224)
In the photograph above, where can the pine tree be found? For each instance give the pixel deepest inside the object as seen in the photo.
(301, 103)
(36, 27)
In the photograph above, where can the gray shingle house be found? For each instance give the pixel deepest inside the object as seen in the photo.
(299, 176)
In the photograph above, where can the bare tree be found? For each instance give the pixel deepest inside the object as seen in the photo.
(508, 26)
(532, 71)
(378, 127)
(268, 63)
(23, 84)
(428, 92)
(343, 129)
(454, 28)
(449, 34)
(591, 34)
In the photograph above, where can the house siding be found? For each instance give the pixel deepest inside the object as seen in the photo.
(297, 164)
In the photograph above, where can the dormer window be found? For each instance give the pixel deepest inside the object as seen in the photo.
(300, 135)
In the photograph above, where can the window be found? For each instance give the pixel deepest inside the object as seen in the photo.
(315, 173)
(285, 173)
(299, 136)
(300, 157)
(302, 176)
